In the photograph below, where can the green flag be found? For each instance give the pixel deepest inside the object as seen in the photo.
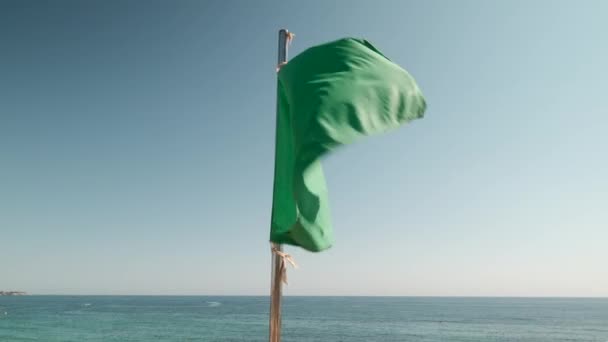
(330, 95)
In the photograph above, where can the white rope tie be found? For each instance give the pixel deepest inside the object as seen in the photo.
(285, 258)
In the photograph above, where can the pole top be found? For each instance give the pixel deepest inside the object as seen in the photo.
(284, 39)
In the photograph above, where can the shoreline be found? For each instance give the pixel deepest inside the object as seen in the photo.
(12, 293)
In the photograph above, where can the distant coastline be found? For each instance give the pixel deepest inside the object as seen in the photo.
(12, 293)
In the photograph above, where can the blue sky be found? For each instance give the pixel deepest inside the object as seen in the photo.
(136, 149)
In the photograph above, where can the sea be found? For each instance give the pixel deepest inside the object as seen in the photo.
(305, 319)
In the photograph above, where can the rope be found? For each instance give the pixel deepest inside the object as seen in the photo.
(290, 37)
(285, 258)
(280, 66)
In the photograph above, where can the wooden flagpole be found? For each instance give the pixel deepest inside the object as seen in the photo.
(277, 261)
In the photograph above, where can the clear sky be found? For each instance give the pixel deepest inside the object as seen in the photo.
(136, 149)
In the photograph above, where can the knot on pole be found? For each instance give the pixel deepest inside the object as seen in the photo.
(290, 37)
(285, 258)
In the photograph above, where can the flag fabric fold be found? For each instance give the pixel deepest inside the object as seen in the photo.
(330, 95)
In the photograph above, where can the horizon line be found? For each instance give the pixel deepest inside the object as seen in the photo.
(320, 295)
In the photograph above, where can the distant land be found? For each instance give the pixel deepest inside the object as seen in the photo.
(12, 293)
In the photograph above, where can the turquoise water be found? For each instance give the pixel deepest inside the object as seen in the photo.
(352, 319)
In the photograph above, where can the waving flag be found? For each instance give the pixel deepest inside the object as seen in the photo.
(330, 95)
